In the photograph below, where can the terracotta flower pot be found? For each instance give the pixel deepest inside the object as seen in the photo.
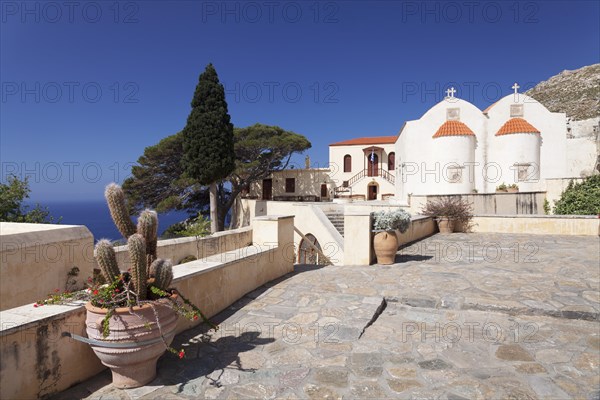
(445, 225)
(134, 364)
(386, 246)
(512, 190)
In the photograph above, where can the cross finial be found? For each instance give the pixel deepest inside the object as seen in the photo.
(516, 87)
(450, 92)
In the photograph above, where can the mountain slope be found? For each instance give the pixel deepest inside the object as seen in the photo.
(576, 93)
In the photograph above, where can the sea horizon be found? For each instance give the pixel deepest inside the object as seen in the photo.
(94, 214)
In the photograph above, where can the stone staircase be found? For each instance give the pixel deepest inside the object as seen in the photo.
(337, 220)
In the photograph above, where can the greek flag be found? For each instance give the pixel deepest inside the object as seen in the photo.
(372, 156)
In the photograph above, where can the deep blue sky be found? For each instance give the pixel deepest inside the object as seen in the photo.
(86, 87)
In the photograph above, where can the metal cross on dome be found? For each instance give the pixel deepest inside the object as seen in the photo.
(516, 87)
(450, 92)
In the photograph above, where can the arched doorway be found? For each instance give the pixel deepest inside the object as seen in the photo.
(306, 253)
(372, 191)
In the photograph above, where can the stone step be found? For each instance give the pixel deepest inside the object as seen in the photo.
(337, 220)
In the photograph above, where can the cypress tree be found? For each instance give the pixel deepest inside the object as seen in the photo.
(208, 138)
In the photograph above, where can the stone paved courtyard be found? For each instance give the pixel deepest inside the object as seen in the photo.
(463, 316)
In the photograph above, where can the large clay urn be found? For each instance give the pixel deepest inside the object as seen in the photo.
(445, 225)
(133, 363)
(385, 245)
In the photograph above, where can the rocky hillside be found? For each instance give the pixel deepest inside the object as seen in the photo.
(576, 93)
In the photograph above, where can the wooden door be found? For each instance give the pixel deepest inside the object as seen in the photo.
(373, 164)
(323, 191)
(372, 192)
(267, 191)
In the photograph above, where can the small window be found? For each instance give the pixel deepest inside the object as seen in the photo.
(453, 114)
(524, 172)
(347, 163)
(391, 161)
(516, 110)
(454, 174)
(290, 185)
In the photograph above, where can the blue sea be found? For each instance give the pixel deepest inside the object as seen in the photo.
(95, 215)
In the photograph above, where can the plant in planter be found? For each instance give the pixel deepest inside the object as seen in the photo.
(514, 188)
(385, 242)
(450, 212)
(131, 319)
(502, 188)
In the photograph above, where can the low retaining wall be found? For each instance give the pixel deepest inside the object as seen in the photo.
(180, 248)
(36, 258)
(37, 361)
(520, 203)
(358, 238)
(538, 224)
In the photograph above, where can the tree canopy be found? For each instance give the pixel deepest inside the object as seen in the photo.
(208, 153)
(12, 209)
(160, 182)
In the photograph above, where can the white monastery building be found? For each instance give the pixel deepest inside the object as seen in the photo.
(454, 148)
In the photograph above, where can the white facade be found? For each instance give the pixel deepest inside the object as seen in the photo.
(459, 163)
(363, 168)
(428, 165)
(456, 148)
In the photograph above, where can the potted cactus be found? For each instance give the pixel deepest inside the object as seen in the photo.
(385, 225)
(131, 318)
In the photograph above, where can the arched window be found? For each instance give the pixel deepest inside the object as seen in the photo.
(347, 163)
(391, 161)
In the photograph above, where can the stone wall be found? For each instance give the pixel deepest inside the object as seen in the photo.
(36, 258)
(521, 203)
(37, 361)
(180, 248)
(542, 225)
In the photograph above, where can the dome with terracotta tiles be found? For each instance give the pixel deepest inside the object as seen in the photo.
(453, 128)
(516, 125)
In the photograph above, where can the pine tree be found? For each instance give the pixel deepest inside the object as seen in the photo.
(208, 138)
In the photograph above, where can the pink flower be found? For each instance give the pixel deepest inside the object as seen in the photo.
(35, 305)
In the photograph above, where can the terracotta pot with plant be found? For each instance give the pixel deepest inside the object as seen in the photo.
(514, 188)
(385, 225)
(451, 213)
(131, 318)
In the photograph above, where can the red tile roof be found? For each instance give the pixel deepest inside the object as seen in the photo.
(453, 128)
(367, 140)
(516, 125)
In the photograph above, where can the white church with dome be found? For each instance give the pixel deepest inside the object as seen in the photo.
(454, 148)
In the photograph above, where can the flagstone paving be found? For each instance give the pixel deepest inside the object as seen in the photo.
(462, 316)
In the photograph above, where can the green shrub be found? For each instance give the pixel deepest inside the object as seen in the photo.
(580, 198)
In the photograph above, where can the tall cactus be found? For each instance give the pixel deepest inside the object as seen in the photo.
(137, 254)
(162, 272)
(107, 260)
(142, 243)
(115, 197)
(147, 226)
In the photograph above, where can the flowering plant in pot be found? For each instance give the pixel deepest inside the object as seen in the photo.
(450, 213)
(513, 188)
(132, 315)
(385, 225)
